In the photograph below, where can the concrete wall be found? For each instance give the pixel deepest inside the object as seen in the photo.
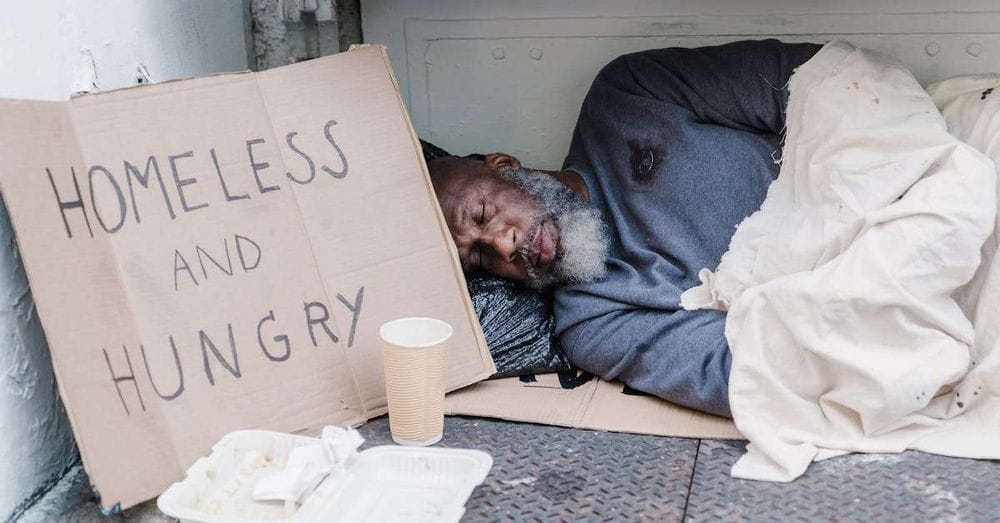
(285, 34)
(48, 50)
(510, 75)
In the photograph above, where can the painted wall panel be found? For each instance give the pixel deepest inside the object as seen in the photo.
(510, 76)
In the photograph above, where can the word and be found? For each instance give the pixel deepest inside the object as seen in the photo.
(247, 251)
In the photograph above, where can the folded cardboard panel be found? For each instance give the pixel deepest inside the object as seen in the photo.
(583, 401)
(216, 254)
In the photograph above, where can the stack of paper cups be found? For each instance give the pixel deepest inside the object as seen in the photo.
(415, 352)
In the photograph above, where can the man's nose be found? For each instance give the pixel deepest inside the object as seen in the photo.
(504, 242)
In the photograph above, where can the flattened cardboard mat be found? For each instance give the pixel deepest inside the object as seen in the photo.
(216, 254)
(576, 399)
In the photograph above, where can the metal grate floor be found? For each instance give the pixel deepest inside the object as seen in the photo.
(548, 473)
(545, 473)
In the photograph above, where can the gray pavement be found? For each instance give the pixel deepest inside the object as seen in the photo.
(545, 473)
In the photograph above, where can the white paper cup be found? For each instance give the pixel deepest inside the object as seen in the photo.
(415, 355)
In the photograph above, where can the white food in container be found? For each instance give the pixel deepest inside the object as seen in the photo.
(387, 483)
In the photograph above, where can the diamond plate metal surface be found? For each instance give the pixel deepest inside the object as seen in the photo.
(543, 473)
(911, 486)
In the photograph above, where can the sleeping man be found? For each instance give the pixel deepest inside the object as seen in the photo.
(672, 149)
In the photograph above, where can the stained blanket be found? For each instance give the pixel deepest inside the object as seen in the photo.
(863, 307)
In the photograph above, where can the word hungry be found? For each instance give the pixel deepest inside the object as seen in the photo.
(273, 342)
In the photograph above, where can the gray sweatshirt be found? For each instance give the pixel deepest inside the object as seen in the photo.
(676, 146)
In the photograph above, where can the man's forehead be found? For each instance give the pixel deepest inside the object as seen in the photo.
(473, 184)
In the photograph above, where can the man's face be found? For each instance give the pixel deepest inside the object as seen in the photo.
(508, 221)
(499, 228)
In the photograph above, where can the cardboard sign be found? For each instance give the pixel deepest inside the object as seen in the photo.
(218, 253)
(576, 399)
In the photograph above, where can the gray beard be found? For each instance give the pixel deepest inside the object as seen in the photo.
(583, 237)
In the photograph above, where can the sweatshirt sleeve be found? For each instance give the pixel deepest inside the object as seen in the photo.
(741, 85)
(680, 356)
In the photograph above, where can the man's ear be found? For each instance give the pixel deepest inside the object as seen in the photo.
(496, 161)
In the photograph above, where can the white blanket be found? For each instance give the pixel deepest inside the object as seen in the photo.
(849, 291)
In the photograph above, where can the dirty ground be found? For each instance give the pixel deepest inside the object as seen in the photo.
(551, 473)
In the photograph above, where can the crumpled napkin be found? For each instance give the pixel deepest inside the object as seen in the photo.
(309, 465)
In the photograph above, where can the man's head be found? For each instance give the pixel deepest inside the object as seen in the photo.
(519, 223)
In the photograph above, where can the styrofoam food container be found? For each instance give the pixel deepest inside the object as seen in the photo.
(386, 483)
